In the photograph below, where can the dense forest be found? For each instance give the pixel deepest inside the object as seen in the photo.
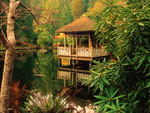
(123, 82)
(59, 12)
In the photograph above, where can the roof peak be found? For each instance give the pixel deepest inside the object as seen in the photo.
(81, 24)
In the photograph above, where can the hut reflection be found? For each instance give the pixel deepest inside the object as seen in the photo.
(73, 71)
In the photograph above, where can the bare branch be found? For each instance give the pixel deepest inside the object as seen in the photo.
(4, 7)
(46, 19)
(3, 38)
(1, 24)
(30, 12)
(2, 11)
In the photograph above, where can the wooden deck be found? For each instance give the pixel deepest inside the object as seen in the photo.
(81, 53)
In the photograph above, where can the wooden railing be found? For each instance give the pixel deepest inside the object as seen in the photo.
(81, 52)
(64, 51)
(85, 52)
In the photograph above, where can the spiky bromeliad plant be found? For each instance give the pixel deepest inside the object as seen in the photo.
(124, 31)
(39, 103)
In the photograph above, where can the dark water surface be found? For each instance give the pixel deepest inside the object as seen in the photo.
(38, 70)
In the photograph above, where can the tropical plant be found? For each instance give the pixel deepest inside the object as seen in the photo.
(38, 102)
(109, 100)
(124, 31)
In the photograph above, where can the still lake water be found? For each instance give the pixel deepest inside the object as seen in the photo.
(38, 70)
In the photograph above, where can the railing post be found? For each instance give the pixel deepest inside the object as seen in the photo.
(76, 45)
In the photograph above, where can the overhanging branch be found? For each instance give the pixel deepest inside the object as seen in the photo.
(47, 19)
(29, 12)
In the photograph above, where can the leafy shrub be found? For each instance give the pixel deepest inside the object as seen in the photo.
(123, 81)
(45, 39)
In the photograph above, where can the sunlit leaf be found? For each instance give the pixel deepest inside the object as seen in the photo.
(141, 24)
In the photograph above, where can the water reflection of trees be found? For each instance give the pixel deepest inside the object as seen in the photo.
(45, 71)
(24, 64)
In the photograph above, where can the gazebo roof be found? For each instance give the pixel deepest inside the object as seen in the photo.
(83, 24)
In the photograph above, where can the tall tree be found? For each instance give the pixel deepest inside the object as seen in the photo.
(77, 9)
(9, 43)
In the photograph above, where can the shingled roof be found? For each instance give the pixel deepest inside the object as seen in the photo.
(83, 24)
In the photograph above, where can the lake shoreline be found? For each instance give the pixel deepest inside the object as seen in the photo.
(29, 48)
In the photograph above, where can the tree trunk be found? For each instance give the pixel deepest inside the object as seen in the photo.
(9, 59)
(6, 80)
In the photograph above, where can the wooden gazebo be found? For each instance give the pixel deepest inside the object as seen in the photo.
(83, 43)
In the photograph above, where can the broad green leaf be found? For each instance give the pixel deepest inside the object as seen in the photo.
(114, 93)
(94, 82)
(106, 81)
(120, 96)
(111, 107)
(136, 102)
(105, 108)
(100, 102)
(117, 103)
(101, 97)
(108, 94)
(101, 86)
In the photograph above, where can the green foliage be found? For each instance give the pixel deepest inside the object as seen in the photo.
(46, 66)
(124, 31)
(24, 64)
(64, 16)
(99, 77)
(45, 39)
(69, 41)
(77, 9)
(109, 101)
(59, 11)
(23, 21)
(59, 41)
(23, 24)
(95, 10)
(116, 108)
